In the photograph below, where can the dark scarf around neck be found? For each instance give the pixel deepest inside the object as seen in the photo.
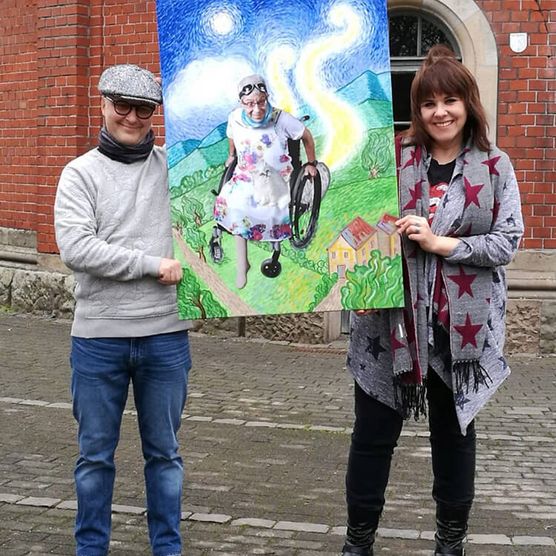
(127, 154)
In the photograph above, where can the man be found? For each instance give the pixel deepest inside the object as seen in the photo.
(113, 229)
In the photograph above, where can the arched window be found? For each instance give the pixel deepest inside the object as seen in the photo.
(412, 34)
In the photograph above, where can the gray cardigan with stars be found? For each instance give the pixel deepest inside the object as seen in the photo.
(369, 354)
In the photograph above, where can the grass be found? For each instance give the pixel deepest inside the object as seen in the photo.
(351, 194)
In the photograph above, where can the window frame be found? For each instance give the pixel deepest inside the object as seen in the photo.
(408, 65)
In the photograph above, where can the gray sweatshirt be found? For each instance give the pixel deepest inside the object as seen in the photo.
(113, 228)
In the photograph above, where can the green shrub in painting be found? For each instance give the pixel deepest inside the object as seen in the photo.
(188, 217)
(323, 289)
(375, 284)
(192, 295)
(377, 155)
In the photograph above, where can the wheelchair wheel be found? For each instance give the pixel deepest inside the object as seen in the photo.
(305, 208)
(271, 268)
(226, 176)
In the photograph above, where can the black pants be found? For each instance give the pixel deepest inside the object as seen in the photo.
(375, 435)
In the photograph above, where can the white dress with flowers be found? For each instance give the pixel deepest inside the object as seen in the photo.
(254, 202)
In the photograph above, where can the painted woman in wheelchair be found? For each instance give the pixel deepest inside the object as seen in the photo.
(254, 203)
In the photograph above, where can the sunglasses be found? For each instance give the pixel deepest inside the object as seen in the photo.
(248, 89)
(123, 108)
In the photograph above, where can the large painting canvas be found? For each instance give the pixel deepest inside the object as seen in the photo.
(326, 63)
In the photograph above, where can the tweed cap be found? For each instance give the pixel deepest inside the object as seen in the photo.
(131, 83)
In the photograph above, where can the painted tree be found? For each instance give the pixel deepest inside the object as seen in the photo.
(377, 284)
(195, 302)
(378, 154)
(191, 181)
(189, 216)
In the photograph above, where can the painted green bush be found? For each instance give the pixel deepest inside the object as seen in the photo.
(377, 156)
(375, 284)
(195, 301)
(322, 289)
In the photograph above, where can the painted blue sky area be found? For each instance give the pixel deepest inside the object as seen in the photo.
(206, 46)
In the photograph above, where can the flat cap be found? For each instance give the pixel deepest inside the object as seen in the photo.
(131, 83)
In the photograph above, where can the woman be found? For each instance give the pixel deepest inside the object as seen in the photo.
(460, 224)
(254, 203)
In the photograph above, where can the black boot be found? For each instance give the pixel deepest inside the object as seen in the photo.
(356, 551)
(451, 529)
(360, 536)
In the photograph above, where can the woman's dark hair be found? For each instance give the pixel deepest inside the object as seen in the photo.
(442, 73)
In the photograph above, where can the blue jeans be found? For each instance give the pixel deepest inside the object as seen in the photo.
(102, 369)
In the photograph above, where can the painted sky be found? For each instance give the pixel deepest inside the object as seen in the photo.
(207, 49)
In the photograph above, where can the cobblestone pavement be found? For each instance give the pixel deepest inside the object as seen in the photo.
(265, 439)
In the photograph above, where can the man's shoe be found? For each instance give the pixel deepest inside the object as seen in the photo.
(356, 550)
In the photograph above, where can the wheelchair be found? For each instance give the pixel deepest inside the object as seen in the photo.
(305, 199)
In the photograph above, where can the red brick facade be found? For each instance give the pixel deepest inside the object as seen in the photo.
(53, 51)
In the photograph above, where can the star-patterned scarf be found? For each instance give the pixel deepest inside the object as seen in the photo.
(459, 298)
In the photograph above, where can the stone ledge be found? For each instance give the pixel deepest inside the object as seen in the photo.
(533, 271)
(24, 255)
(14, 237)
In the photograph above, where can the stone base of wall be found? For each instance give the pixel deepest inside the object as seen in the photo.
(531, 326)
(531, 323)
(33, 291)
(41, 284)
(304, 328)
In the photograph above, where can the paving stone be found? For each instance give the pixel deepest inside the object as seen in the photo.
(531, 541)
(306, 527)
(200, 418)
(10, 498)
(265, 439)
(230, 421)
(261, 424)
(253, 522)
(398, 533)
(123, 509)
(211, 518)
(38, 501)
(489, 539)
(67, 505)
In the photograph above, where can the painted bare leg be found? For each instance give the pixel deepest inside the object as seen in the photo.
(242, 262)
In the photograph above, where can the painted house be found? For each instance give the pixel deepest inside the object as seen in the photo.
(388, 238)
(358, 239)
(353, 246)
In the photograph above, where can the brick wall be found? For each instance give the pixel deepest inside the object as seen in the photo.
(53, 51)
(527, 108)
(18, 110)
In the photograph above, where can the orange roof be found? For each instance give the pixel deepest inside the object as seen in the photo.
(357, 231)
(387, 224)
